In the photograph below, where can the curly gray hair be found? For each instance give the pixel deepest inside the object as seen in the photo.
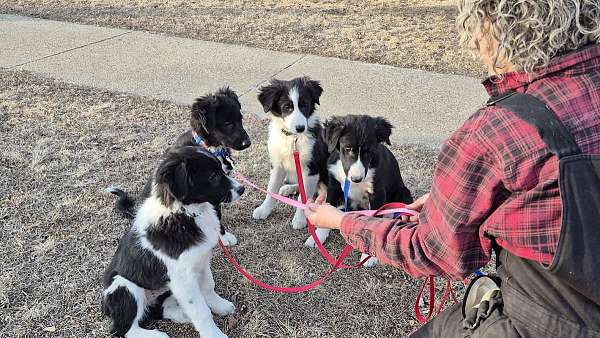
(530, 32)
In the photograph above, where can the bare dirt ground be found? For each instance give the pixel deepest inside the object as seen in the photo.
(409, 33)
(63, 144)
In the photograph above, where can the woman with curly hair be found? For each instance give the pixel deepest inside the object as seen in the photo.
(521, 177)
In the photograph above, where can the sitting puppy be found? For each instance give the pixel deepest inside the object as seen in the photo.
(357, 154)
(216, 123)
(162, 265)
(294, 123)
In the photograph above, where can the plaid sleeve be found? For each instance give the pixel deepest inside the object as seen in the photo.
(448, 239)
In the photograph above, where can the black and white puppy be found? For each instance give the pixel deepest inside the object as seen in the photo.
(357, 153)
(161, 268)
(294, 122)
(216, 122)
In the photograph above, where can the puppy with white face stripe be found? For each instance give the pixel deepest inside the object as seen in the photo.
(161, 268)
(357, 153)
(294, 124)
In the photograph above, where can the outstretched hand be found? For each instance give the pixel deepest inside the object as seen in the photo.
(417, 205)
(322, 214)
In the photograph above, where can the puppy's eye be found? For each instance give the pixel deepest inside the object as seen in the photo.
(348, 149)
(228, 123)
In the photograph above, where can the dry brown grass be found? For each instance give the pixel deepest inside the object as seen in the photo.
(409, 33)
(63, 144)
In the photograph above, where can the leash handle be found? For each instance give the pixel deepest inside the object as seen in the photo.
(449, 291)
(422, 319)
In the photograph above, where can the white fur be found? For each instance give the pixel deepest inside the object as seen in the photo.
(322, 235)
(359, 192)
(357, 171)
(281, 147)
(370, 262)
(191, 280)
(296, 118)
(174, 312)
(288, 190)
(228, 239)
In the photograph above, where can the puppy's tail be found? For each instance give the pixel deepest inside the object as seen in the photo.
(124, 203)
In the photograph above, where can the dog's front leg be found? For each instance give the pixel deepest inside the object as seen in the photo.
(310, 187)
(185, 288)
(275, 181)
(216, 303)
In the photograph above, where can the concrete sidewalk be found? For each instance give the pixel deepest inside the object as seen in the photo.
(424, 107)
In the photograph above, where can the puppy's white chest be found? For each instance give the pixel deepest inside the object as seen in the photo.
(359, 193)
(281, 148)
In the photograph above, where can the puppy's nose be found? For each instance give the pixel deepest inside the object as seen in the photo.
(356, 179)
(240, 190)
(300, 128)
(246, 143)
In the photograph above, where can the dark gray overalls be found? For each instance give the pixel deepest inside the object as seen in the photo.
(562, 300)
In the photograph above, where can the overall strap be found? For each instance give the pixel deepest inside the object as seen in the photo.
(535, 112)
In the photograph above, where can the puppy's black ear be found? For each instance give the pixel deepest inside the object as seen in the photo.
(333, 131)
(226, 91)
(315, 89)
(383, 130)
(172, 181)
(269, 95)
(203, 114)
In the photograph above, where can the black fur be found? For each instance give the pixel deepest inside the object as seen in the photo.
(136, 264)
(274, 101)
(218, 120)
(192, 175)
(121, 306)
(174, 234)
(351, 135)
(124, 203)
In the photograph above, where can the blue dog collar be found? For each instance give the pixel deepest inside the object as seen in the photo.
(220, 152)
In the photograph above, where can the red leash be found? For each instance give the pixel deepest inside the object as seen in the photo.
(335, 263)
(282, 289)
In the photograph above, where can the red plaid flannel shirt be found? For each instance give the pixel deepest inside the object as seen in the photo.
(494, 180)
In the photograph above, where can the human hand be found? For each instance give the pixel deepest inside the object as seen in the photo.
(323, 215)
(417, 205)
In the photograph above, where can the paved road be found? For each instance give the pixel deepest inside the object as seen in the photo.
(424, 106)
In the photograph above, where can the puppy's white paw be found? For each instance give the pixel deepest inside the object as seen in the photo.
(143, 333)
(216, 333)
(222, 307)
(370, 262)
(157, 334)
(229, 239)
(288, 190)
(299, 220)
(174, 312)
(322, 235)
(261, 212)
